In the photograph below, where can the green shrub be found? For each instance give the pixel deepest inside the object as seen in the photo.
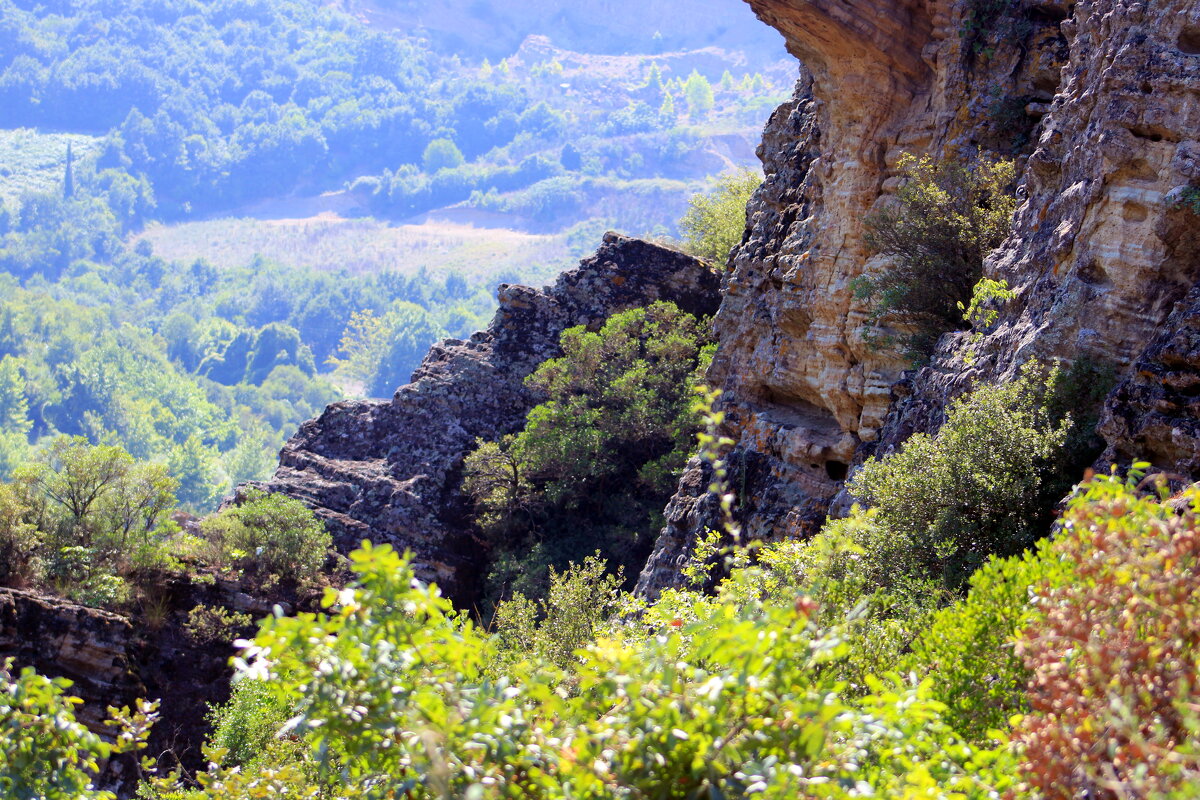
(855, 576)
(393, 696)
(216, 624)
(86, 520)
(1113, 651)
(947, 216)
(272, 537)
(45, 752)
(967, 650)
(598, 459)
(579, 603)
(983, 485)
(246, 728)
(714, 223)
(20, 540)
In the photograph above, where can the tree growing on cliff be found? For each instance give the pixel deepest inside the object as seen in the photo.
(715, 222)
(945, 219)
(596, 461)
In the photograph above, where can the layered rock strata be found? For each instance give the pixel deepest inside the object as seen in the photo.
(1099, 101)
(113, 660)
(389, 471)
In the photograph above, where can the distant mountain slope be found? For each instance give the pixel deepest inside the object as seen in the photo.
(496, 28)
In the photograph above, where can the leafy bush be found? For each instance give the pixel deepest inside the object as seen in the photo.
(596, 462)
(1113, 651)
(946, 217)
(715, 223)
(86, 520)
(97, 496)
(392, 698)
(983, 485)
(852, 576)
(968, 652)
(47, 754)
(246, 727)
(20, 540)
(271, 536)
(216, 624)
(575, 610)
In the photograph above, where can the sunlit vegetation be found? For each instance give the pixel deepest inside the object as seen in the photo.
(945, 219)
(715, 222)
(598, 459)
(207, 363)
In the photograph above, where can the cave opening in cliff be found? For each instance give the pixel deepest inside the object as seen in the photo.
(1189, 41)
(836, 470)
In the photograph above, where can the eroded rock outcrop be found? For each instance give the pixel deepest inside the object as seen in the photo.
(389, 471)
(115, 660)
(1100, 103)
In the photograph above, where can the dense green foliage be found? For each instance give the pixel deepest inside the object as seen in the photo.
(273, 537)
(392, 697)
(220, 102)
(93, 524)
(983, 485)
(192, 106)
(207, 371)
(597, 460)
(85, 521)
(48, 754)
(946, 217)
(715, 223)
(779, 684)
(577, 607)
(212, 103)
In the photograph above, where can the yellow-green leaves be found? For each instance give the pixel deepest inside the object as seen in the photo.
(715, 222)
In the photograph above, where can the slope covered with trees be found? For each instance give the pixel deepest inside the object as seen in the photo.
(178, 109)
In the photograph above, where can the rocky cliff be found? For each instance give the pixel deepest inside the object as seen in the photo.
(115, 660)
(389, 471)
(1099, 101)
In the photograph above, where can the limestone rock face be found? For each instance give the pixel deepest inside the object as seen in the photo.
(1154, 414)
(1099, 102)
(389, 471)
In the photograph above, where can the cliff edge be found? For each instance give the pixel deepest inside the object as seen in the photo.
(389, 471)
(1098, 102)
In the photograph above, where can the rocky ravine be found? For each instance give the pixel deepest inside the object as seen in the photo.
(389, 471)
(1099, 257)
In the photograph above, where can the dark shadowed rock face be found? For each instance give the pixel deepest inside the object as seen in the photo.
(389, 471)
(1154, 414)
(113, 660)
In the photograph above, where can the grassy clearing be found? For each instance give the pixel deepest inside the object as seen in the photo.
(364, 246)
(33, 161)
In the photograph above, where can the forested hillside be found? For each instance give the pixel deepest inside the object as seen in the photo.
(495, 28)
(161, 112)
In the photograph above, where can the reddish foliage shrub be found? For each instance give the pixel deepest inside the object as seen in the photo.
(1115, 654)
